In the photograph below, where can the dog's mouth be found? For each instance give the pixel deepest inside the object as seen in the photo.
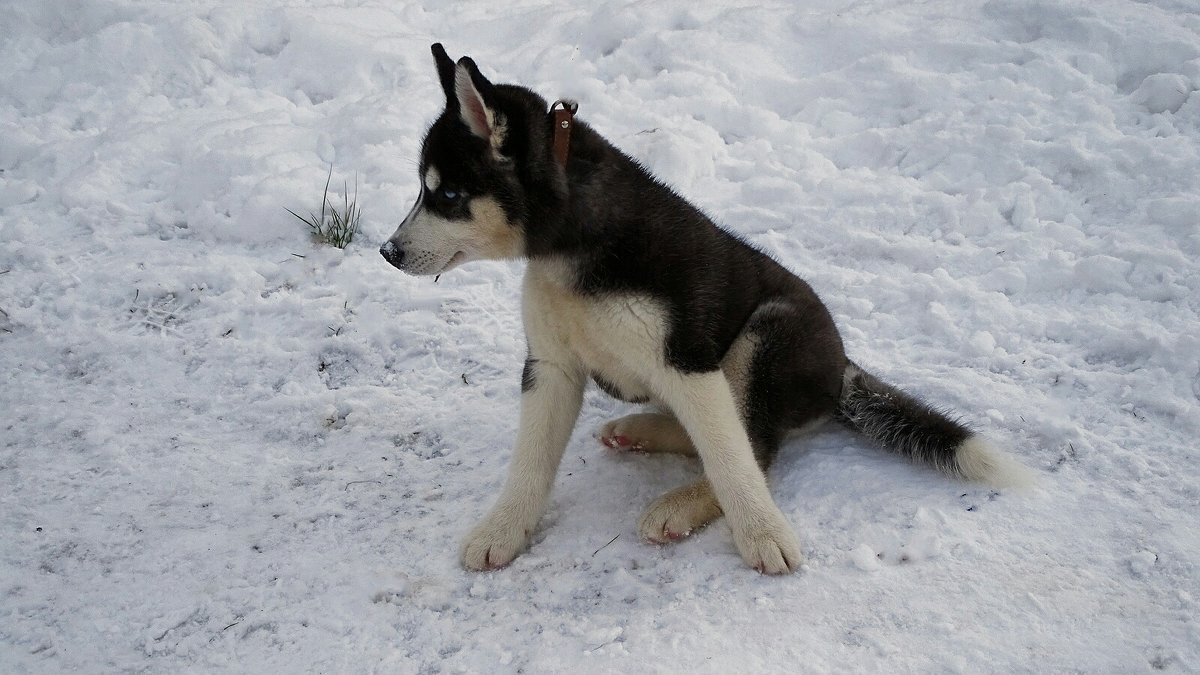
(422, 263)
(453, 262)
(426, 271)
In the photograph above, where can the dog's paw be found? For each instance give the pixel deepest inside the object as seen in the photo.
(646, 432)
(769, 545)
(615, 438)
(678, 513)
(492, 545)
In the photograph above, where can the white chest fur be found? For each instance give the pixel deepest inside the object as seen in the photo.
(618, 338)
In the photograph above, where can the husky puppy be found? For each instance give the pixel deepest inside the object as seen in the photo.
(631, 286)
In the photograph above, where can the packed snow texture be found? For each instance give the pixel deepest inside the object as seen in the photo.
(228, 447)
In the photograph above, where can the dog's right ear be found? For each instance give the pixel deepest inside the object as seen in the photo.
(445, 68)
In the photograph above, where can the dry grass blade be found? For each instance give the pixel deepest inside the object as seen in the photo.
(332, 226)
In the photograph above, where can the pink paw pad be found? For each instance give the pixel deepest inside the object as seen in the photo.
(619, 442)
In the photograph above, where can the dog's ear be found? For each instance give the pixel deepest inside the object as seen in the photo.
(445, 68)
(475, 100)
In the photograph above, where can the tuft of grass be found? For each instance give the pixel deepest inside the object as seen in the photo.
(333, 226)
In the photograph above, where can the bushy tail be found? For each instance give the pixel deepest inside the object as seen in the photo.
(908, 426)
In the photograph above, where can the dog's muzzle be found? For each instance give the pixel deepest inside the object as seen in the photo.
(392, 253)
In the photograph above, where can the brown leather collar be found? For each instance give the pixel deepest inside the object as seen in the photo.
(564, 119)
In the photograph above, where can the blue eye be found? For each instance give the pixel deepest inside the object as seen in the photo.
(449, 195)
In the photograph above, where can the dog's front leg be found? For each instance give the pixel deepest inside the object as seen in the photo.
(704, 404)
(552, 395)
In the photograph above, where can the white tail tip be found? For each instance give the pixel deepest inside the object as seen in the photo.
(979, 460)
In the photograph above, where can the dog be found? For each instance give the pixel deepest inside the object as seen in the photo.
(629, 285)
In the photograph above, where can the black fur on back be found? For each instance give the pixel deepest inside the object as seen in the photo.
(901, 422)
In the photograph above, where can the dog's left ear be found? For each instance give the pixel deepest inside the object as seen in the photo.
(445, 68)
(475, 100)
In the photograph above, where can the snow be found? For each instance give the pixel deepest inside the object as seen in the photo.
(226, 447)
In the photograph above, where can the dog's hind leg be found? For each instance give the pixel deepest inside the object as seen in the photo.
(676, 514)
(647, 432)
(790, 385)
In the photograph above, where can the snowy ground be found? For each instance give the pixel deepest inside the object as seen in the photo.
(225, 447)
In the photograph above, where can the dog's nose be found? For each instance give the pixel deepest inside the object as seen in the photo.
(391, 253)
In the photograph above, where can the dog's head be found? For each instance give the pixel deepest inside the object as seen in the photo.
(472, 204)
